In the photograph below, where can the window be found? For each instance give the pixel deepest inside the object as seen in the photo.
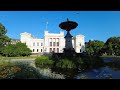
(50, 40)
(37, 50)
(50, 49)
(33, 50)
(57, 43)
(41, 44)
(53, 43)
(33, 43)
(37, 43)
(50, 43)
(54, 49)
(57, 50)
(57, 40)
(41, 50)
(80, 50)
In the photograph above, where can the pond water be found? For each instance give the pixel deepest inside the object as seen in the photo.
(111, 70)
(101, 73)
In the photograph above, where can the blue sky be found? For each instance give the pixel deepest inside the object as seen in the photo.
(95, 25)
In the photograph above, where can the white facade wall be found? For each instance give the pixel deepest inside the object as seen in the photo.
(54, 38)
(79, 43)
(51, 42)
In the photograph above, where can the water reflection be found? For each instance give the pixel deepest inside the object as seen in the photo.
(107, 72)
(110, 71)
(101, 73)
(48, 74)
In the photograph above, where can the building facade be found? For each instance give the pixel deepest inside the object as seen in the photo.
(51, 42)
(14, 41)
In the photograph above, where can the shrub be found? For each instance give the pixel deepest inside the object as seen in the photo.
(7, 69)
(66, 64)
(43, 61)
(26, 72)
(19, 71)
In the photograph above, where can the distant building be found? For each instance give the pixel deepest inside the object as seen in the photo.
(51, 42)
(14, 41)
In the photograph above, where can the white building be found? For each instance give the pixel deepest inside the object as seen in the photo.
(51, 42)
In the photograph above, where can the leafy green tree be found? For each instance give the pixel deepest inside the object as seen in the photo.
(110, 49)
(112, 46)
(22, 49)
(89, 50)
(93, 47)
(18, 49)
(3, 30)
(9, 51)
(4, 40)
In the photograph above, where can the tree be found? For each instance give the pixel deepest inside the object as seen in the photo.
(18, 49)
(109, 49)
(9, 51)
(93, 47)
(4, 40)
(3, 30)
(22, 49)
(112, 46)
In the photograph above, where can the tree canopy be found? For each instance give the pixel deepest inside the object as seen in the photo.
(112, 46)
(4, 40)
(93, 47)
(18, 49)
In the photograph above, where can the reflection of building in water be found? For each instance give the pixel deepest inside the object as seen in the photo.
(51, 42)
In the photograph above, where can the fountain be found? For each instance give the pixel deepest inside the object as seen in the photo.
(68, 25)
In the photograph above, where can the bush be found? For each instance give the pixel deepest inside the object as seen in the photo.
(66, 64)
(18, 71)
(18, 49)
(7, 69)
(43, 61)
(26, 72)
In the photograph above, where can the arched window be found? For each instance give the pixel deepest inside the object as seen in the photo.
(33, 50)
(37, 50)
(41, 50)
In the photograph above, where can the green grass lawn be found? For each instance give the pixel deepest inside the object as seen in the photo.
(9, 58)
(110, 56)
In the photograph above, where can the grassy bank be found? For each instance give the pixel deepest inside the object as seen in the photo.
(9, 58)
(110, 56)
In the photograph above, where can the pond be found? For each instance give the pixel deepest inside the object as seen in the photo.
(101, 73)
(111, 70)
